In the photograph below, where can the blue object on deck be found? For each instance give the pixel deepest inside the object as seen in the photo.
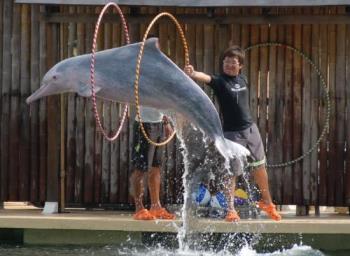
(218, 201)
(201, 196)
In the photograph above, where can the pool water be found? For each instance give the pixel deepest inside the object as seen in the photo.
(156, 251)
(132, 250)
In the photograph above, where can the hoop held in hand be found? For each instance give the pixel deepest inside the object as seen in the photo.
(138, 64)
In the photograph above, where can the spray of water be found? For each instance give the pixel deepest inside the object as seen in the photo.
(202, 161)
(199, 164)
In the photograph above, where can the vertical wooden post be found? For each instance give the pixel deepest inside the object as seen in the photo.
(332, 182)
(208, 53)
(14, 104)
(295, 124)
(80, 121)
(273, 126)
(315, 89)
(105, 34)
(106, 178)
(53, 121)
(24, 148)
(99, 140)
(306, 116)
(253, 67)
(279, 33)
(62, 154)
(62, 55)
(5, 104)
(34, 107)
(2, 17)
(340, 115)
(347, 125)
(70, 119)
(263, 84)
(323, 154)
(90, 126)
(118, 39)
(286, 117)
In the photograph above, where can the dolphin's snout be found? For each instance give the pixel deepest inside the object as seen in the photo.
(39, 93)
(29, 100)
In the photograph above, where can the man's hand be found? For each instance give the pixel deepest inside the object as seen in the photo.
(199, 76)
(189, 70)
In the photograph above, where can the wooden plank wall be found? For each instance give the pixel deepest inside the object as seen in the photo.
(287, 103)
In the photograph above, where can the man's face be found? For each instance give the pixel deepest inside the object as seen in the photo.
(231, 66)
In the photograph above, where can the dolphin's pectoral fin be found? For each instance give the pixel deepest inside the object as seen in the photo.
(85, 90)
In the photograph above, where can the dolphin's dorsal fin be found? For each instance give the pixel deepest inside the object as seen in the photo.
(153, 43)
(85, 90)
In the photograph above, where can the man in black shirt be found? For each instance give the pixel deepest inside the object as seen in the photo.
(233, 96)
(231, 90)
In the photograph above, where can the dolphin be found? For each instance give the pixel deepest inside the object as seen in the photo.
(162, 85)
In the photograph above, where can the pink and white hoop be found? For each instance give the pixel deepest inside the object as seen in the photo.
(92, 70)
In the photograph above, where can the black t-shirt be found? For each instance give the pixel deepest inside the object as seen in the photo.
(233, 96)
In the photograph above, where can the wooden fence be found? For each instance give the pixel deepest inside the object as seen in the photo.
(287, 100)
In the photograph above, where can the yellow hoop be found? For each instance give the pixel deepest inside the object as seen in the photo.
(137, 77)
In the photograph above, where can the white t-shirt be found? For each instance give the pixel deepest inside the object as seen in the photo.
(150, 115)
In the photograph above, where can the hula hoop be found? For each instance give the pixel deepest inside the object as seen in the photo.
(137, 77)
(324, 86)
(92, 71)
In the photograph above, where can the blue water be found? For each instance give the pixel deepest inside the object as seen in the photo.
(296, 250)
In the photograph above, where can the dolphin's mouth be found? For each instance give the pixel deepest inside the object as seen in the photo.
(39, 93)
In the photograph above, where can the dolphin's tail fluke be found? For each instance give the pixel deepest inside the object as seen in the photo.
(230, 149)
(233, 151)
(237, 149)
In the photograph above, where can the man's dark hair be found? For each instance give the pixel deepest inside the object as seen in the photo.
(234, 51)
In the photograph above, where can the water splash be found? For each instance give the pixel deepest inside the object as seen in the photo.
(202, 161)
(137, 249)
(296, 250)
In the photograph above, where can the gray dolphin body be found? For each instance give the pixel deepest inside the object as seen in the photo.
(162, 85)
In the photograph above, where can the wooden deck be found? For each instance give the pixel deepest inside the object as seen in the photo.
(17, 217)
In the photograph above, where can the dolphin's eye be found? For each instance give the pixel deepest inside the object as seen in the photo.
(54, 77)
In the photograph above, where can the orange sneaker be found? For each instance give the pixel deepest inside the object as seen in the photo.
(232, 216)
(143, 214)
(270, 209)
(162, 213)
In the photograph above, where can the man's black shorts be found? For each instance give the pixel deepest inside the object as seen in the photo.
(144, 154)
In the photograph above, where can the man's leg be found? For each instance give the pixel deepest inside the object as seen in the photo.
(229, 191)
(265, 204)
(137, 183)
(154, 189)
(155, 158)
(256, 147)
(261, 179)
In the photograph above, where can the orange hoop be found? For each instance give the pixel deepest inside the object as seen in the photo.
(137, 77)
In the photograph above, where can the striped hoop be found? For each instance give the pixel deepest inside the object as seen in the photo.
(325, 88)
(138, 64)
(92, 71)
